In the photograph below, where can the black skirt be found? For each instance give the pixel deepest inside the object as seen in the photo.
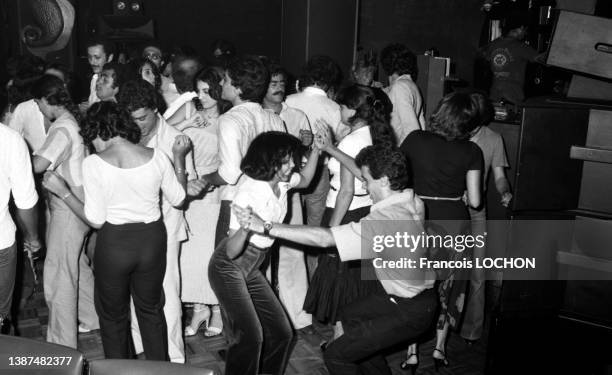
(335, 283)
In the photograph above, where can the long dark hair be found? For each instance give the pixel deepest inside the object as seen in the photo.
(213, 76)
(55, 92)
(372, 107)
(267, 152)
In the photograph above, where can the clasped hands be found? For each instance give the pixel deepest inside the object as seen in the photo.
(248, 219)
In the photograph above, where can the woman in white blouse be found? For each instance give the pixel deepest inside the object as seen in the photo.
(249, 306)
(334, 284)
(122, 184)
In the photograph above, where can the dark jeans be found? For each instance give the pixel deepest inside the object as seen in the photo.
(130, 260)
(254, 322)
(223, 223)
(8, 269)
(374, 324)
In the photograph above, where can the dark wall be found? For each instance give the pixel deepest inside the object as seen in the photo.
(252, 25)
(451, 26)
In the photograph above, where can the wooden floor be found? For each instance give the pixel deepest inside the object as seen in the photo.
(306, 356)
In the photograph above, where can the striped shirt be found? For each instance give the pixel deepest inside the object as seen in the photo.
(65, 150)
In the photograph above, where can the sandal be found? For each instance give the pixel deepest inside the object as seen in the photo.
(216, 323)
(200, 316)
(439, 362)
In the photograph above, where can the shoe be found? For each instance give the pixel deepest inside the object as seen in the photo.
(410, 363)
(439, 361)
(216, 323)
(199, 317)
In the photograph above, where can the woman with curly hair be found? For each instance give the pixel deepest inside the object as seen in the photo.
(203, 212)
(445, 164)
(256, 326)
(122, 184)
(67, 277)
(334, 283)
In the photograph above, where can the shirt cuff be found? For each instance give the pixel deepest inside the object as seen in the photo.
(348, 241)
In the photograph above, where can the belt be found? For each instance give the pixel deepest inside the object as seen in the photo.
(440, 198)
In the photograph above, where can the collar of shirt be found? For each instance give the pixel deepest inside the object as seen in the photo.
(403, 76)
(314, 91)
(404, 196)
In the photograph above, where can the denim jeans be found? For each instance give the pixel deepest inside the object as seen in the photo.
(254, 322)
(8, 269)
(374, 324)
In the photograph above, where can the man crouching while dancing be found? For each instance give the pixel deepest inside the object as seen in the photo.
(375, 323)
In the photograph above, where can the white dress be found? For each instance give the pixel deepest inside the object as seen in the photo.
(201, 216)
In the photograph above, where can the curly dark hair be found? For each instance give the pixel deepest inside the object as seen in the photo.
(322, 71)
(249, 74)
(397, 58)
(266, 154)
(55, 92)
(213, 76)
(107, 120)
(372, 106)
(120, 75)
(455, 117)
(383, 160)
(137, 94)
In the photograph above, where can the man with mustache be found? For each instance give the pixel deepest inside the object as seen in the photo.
(292, 275)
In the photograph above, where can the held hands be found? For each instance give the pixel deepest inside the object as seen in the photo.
(196, 187)
(306, 137)
(248, 219)
(181, 146)
(323, 135)
(32, 246)
(55, 184)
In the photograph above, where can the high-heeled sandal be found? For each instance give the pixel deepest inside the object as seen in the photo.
(409, 365)
(440, 362)
(199, 317)
(216, 325)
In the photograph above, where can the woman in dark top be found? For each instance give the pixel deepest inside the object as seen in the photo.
(445, 164)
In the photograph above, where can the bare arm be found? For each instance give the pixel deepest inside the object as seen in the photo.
(40, 164)
(57, 186)
(27, 219)
(474, 187)
(214, 179)
(309, 170)
(344, 197)
(502, 185)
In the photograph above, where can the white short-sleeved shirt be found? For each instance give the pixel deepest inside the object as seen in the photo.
(237, 128)
(408, 113)
(29, 121)
(294, 119)
(316, 105)
(260, 197)
(129, 195)
(16, 177)
(350, 145)
(65, 150)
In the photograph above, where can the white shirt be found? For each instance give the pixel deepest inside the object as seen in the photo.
(163, 140)
(178, 103)
(237, 128)
(350, 145)
(93, 97)
(260, 196)
(408, 114)
(29, 121)
(65, 150)
(16, 177)
(294, 119)
(316, 105)
(129, 195)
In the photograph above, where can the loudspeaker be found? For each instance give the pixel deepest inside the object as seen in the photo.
(128, 7)
(46, 29)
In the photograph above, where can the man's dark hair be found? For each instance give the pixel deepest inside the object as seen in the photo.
(120, 74)
(226, 48)
(250, 75)
(267, 152)
(383, 160)
(455, 117)
(397, 58)
(54, 90)
(107, 120)
(274, 68)
(108, 46)
(514, 20)
(183, 78)
(322, 71)
(137, 94)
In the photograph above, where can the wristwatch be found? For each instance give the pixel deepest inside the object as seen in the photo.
(267, 227)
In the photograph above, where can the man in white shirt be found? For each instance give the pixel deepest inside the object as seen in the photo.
(244, 86)
(139, 98)
(400, 64)
(99, 52)
(320, 74)
(16, 179)
(292, 274)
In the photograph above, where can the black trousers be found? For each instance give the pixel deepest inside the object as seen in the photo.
(256, 326)
(374, 324)
(130, 260)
